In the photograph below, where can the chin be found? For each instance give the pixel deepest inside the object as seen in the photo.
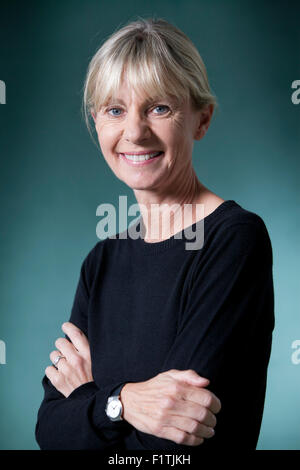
(137, 183)
(139, 186)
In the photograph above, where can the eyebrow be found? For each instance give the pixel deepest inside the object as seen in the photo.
(147, 101)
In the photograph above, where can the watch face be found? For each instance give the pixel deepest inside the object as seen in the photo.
(113, 408)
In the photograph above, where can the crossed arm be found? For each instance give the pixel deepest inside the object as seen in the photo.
(225, 335)
(174, 405)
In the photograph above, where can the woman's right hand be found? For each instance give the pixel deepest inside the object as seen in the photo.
(173, 405)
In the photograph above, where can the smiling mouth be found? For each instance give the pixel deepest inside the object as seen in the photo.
(142, 157)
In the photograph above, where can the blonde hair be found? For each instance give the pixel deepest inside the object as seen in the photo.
(159, 60)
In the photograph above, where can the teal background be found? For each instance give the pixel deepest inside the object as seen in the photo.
(53, 177)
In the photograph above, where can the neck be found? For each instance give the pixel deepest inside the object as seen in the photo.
(168, 212)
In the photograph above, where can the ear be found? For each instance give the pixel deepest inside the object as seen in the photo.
(203, 121)
(94, 115)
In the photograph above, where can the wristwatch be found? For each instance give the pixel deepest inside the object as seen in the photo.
(114, 408)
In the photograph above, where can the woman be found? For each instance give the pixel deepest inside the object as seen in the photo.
(162, 333)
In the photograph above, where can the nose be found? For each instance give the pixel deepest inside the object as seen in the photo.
(136, 128)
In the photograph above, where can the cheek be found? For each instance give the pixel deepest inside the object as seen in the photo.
(177, 129)
(183, 133)
(107, 135)
(167, 134)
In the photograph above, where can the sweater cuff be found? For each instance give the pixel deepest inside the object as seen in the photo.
(84, 391)
(101, 419)
(100, 396)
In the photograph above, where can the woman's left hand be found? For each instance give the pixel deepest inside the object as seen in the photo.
(75, 367)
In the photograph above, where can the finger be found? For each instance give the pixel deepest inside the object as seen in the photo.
(180, 437)
(54, 355)
(189, 409)
(77, 337)
(191, 426)
(203, 397)
(55, 378)
(66, 348)
(63, 367)
(53, 375)
(189, 376)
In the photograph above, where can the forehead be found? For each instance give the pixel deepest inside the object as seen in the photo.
(126, 93)
(142, 82)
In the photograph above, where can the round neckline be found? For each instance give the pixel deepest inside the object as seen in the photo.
(162, 245)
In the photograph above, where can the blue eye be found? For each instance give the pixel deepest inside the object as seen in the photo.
(161, 106)
(114, 109)
(118, 111)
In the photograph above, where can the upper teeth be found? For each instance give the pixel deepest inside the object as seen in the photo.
(140, 158)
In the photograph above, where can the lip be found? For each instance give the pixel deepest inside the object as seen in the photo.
(146, 162)
(140, 153)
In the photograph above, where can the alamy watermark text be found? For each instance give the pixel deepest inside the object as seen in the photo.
(162, 220)
(2, 92)
(2, 352)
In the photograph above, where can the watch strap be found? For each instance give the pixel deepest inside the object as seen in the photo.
(116, 391)
(115, 395)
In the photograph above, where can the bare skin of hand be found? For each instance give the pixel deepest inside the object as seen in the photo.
(173, 405)
(75, 368)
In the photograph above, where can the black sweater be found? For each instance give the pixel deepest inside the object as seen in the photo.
(150, 307)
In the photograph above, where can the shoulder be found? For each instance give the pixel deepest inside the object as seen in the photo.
(95, 253)
(230, 214)
(239, 231)
(100, 256)
(92, 261)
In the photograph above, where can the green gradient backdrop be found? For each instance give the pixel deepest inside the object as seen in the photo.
(53, 177)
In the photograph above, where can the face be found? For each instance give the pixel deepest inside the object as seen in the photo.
(131, 127)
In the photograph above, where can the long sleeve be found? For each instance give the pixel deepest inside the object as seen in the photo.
(78, 421)
(225, 334)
